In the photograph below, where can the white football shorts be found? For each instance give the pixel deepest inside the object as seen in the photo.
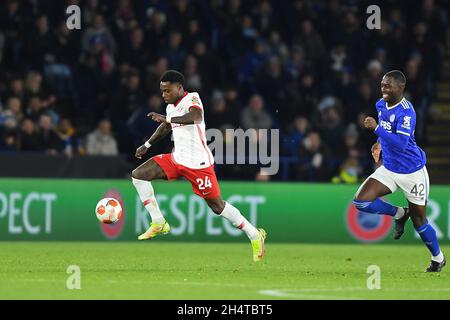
(415, 186)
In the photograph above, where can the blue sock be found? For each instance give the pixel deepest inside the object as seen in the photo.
(376, 206)
(428, 236)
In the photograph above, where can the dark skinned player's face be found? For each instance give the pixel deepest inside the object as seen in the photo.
(171, 92)
(391, 90)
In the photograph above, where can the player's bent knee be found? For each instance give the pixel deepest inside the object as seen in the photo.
(140, 174)
(135, 174)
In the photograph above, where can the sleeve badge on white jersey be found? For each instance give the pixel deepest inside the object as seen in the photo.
(195, 100)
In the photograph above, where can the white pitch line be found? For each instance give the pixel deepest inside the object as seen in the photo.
(277, 293)
(304, 293)
(311, 292)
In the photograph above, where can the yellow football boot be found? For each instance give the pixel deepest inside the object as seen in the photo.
(154, 230)
(258, 245)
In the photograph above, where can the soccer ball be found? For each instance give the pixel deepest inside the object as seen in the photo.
(108, 210)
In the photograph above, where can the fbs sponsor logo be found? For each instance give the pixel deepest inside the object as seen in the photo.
(386, 125)
(112, 231)
(367, 227)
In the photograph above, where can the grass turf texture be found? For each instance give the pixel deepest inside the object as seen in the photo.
(162, 270)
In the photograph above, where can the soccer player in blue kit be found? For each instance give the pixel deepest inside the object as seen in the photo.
(403, 167)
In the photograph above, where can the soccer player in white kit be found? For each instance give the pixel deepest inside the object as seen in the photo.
(191, 158)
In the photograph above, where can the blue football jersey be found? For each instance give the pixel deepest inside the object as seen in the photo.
(396, 125)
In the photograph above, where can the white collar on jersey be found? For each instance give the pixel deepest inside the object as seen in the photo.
(389, 108)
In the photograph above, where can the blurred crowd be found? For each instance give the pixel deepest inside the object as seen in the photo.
(311, 69)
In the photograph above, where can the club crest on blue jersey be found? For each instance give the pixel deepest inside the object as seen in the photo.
(395, 132)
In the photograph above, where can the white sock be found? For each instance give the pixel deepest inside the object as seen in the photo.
(233, 215)
(400, 213)
(439, 258)
(147, 195)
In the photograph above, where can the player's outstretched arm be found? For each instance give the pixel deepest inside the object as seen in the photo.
(193, 116)
(163, 129)
(397, 140)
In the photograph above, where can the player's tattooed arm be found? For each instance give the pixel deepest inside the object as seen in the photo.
(193, 116)
(163, 129)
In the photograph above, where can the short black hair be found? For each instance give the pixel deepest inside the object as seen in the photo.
(397, 75)
(172, 76)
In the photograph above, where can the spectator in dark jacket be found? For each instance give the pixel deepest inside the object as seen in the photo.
(28, 136)
(49, 141)
(313, 156)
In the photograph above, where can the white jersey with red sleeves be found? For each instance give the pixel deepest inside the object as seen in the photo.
(191, 149)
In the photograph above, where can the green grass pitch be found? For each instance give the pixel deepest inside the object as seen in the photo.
(174, 270)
